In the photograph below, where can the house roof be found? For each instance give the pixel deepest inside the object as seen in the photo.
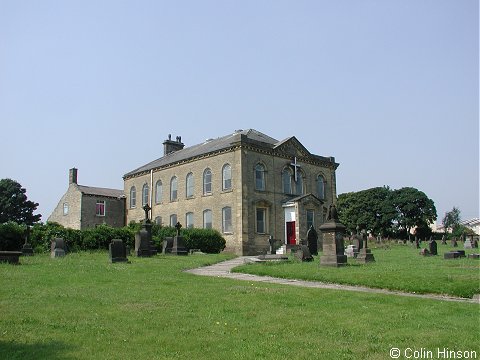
(96, 191)
(213, 145)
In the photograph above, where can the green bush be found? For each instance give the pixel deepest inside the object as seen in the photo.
(207, 240)
(12, 236)
(41, 236)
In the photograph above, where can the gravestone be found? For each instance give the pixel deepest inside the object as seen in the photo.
(57, 248)
(117, 251)
(312, 240)
(432, 247)
(144, 246)
(444, 240)
(179, 247)
(351, 251)
(11, 257)
(454, 242)
(474, 256)
(467, 244)
(332, 233)
(27, 249)
(425, 252)
(358, 240)
(303, 254)
(272, 248)
(365, 254)
(167, 245)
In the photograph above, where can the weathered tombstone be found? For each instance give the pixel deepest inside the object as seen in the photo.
(57, 248)
(167, 245)
(351, 251)
(452, 255)
(11, 257)
(454, 242)
(467, 244)
(27, 249)
(303, 254)
(117, 251)
(474, 256)
(333, 249)
(365, 254)
(444, 240)
(272, 242)
(425, 252)
(144, 246)
(179, 247)
(358, 240)
(312, 240)
(432, 247)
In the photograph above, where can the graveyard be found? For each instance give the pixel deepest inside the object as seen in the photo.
(84, 306)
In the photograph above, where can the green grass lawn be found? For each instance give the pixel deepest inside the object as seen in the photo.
(83, 307)
(397, 267)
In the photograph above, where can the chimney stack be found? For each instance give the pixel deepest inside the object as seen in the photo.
(72, 178)
(170, 145)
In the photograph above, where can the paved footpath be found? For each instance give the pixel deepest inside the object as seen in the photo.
(223, 269)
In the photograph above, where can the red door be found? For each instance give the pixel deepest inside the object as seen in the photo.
(291, 233)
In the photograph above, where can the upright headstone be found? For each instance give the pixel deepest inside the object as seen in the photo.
(351, 251)
(117, 251)
(57, 248)
(272, 248)
(303, 253)
(167, 245)
(468, 244)
(27, 249)
(365, 254)
(454, 242)
(312, 240)
(358, 240)
(332, 232)
(444, 240)
(179, 247)
(143, 239)
(432, 247)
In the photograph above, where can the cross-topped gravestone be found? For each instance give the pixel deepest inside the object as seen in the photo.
(147, 209)
(27, 249)
(178, 226)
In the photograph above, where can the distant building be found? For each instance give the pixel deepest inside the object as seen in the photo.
(473, 224)
(246, 185)
(83, 207)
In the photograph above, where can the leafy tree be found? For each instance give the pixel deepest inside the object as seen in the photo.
(14, 205)
(367, 209)
(451, 220)
(414, 208)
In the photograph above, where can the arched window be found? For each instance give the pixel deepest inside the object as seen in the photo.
(158, 192)
(227, 219)
(207, 182)
(321, 187)
(298, 183)
(207, 219)
(189, 185)
(287, 181)
(173, 190)
(133, 197)
(260, 177)
(227, 177)
(145, 193)
(189, 220)
(173, 220)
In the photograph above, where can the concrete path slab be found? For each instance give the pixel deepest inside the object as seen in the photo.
(223, 269)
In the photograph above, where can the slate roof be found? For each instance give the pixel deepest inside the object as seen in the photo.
(96, 191)
(209, 146)
(212, 145)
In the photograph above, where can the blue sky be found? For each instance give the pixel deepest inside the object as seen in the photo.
(390, 88)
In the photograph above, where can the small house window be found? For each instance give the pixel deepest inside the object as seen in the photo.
(261, 215)
(227, 219)
(189, 220)
(100, 208)
(207, 219)
(65, 208)
(260, 177)
(173, 220)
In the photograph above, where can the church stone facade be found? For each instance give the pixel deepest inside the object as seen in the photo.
(246, 185)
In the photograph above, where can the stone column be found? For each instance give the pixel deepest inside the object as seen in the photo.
(333, 249)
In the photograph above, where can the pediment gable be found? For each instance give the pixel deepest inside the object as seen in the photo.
(291, 147)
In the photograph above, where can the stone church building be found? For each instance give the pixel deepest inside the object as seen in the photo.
(246, 185)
